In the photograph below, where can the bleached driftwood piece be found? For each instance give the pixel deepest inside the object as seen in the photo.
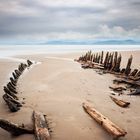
(112, 128)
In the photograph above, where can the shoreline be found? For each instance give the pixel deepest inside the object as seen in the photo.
(13, 50)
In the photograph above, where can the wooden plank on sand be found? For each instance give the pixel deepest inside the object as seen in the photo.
(112, 128)
(40, 126)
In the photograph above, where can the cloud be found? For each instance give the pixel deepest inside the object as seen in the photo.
(63, 19)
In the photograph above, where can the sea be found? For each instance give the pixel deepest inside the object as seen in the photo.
(13, 50)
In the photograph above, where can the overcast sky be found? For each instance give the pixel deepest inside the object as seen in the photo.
(69, 19)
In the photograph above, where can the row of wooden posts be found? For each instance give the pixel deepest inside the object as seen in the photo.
(111, 62)
(10, 96)
(40, 127)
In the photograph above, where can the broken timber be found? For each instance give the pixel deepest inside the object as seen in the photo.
(118, 89)
(121, 103)
(112, 128)
(14, 129)
(137, 92)
(41, 126)
(130, 82)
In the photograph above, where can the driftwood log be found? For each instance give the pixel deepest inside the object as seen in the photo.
(41, 126)
(121, 103)
(14, 129)
(112, 128)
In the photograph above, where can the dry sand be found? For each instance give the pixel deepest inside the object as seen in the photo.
(57, 87)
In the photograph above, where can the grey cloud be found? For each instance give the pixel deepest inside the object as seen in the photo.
(34, 18)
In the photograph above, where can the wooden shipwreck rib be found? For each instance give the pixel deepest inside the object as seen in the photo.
(7, 91)
(136, 92)
(11, 103)
(111, 64)
(29, 63)
(14, 129)
(112, 128)
(126, 81)
(117, 88)
(10, 96)
(41, 126)
(121, 103)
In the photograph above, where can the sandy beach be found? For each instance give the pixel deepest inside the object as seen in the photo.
(57, 86)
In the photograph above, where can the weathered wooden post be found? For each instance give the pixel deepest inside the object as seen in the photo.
(13, 86)
(89, 55)
(12, 106)
(128, 69)
(114, 61)
(13, 81)
(96, 58)
(102, 55)
(138, 74)
(86, 57)
(117, 67)
(14, 76)
(11, 89)
(93, 58)
(29, 63)
(106, 59)
(7, 91)
(111, 61)
(134, 72)
(122, 71)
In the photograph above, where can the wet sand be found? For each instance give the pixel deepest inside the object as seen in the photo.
(57, 87)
